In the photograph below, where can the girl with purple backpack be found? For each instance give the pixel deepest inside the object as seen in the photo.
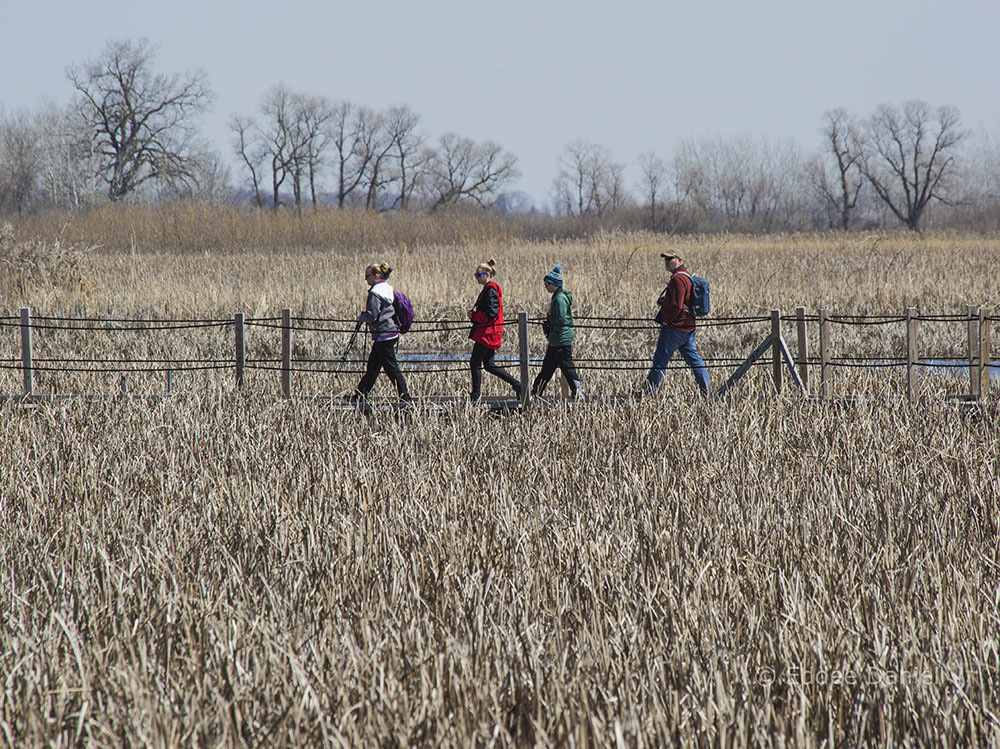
(380, 315)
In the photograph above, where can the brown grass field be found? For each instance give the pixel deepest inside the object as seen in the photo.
(224, 568)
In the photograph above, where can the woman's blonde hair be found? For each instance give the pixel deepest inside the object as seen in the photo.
(490, 266)
(381, 270)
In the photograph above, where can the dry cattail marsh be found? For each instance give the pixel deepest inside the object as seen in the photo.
(231, 569)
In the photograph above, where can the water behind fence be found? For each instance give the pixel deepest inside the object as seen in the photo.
(438, 349)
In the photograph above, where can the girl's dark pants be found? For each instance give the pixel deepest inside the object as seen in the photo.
(561, 357)
(383, 357)
(482, 358)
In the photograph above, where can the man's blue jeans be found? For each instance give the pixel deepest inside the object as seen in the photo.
(671, 340)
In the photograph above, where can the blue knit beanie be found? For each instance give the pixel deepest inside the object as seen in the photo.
(554, 276)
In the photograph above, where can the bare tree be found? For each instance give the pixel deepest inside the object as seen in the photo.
(289, 139)
(46, 159)
(210, 181)
(461, 170)
(589, 180)
(980, 180)
(614, 195)
(19, 160)
(246, 147)
(654, 177)
(714, 174)
(315, 113)
(408, 152)
(908, 157)
(69, 164)
(377, 144)
(570, 186)
(142, 122)
(742, 183)
(276, 138)
(352, 131)
(837, 177)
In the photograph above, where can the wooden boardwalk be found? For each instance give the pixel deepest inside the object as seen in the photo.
(337, 402)
(784, 365)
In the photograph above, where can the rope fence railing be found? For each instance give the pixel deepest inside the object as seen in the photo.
(977, 360)
(645, 323)
(943, 318)
(644, 366)
(126, 328)
(419, 326)
(112, 360)
(868, 365)
(149, 319)
(840, 320)
(181, 367)
(309, 368)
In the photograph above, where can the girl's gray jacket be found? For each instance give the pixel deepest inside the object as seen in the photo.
(380, 313)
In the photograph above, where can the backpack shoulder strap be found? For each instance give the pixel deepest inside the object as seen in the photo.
(688, 307)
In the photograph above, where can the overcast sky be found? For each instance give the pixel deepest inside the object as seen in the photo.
(534, 75)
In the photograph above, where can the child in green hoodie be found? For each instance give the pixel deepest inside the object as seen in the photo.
(558, 326)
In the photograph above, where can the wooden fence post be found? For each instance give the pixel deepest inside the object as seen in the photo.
(241, 351)
(522, 339)
(974, 375)
(27, 368)
(984, 352)
(803, 346)
(776, 349)
(825, 372)
(286, 352)
(912, 357)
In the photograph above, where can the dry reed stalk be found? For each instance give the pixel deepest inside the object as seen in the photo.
(226, 569)
(231, 570)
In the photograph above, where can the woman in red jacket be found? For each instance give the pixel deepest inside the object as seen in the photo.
(487, 331)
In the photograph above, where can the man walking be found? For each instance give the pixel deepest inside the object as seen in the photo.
(676, 328)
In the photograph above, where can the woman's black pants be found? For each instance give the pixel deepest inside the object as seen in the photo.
(383, 357)
(482, 358)
(561, 357)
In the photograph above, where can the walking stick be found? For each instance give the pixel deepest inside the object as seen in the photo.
(350, 343)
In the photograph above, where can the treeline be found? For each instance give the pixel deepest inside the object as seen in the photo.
(131, 133)
(911, 166)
